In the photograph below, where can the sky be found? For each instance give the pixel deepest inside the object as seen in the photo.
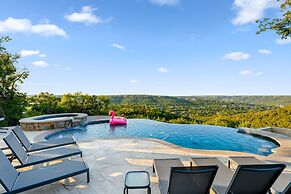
(159, 47)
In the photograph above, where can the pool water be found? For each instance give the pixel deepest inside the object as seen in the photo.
(186, 135)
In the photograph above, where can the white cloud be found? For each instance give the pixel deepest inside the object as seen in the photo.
(251, 10)
(86, 16)
(259, 73)
(246, 72)
(25, 26)
(265, 51)
(40, 64)
(118, 46)
(134, 81)
(48, 30)
(42, 55)
(25, 53)
(165, 2)
(68, 68)
(163, 70)
(283, 41)
(236, 56)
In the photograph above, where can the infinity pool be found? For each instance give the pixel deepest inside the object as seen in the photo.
(189, 136)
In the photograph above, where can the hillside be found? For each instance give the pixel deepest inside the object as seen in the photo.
(187, 106)
(227, 111)
(263, 100)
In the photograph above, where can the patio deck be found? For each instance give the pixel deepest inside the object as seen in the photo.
(110, 159)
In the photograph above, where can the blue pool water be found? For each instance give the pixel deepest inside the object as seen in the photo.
(189, 136)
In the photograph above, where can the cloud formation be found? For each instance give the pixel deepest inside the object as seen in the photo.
(283, 41)
(236, 56)
(134, 81)
(118, 46)
(163, 70)
(40, 64)
(246, 72)
(86, 16)
(165, 2)
(265, 51)
(25, 26)
(68, 68)
(248, 11)
(26, 53)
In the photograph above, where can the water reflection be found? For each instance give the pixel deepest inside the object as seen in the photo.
(114, 128)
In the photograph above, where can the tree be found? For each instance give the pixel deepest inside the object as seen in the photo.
(282, 26)
(82, 103)
(44, 103)
(12, 101)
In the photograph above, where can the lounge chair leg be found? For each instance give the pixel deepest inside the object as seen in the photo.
(154, 169)
(88, 177)
(191, 164)
(149, 190)
(125, 190)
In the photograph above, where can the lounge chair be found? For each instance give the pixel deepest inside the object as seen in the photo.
(30, 147)
(282, 185)
(256, 178)
(174, 178)
(28, 159)
(15, 182)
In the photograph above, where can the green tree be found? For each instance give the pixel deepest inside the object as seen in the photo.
(282, 26)
(82, 103)
(12, 101)
(44, 103)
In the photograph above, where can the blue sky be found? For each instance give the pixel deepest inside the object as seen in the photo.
(161, 47)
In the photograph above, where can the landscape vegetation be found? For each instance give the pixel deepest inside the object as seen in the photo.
(230, 111)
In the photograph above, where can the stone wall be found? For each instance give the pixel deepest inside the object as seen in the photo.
(60, 123)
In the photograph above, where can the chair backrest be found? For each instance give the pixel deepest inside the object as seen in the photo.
(16, 147)
(255, 178)
(2, 115)
(287, 189)
(22, 137)
(8, 174)
(191, 180)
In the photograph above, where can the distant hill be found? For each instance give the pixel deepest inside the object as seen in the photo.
(189, 105)
(188, 100)
(265, 100)
(149, 100)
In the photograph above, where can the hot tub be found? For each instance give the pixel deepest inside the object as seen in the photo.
(52, 121)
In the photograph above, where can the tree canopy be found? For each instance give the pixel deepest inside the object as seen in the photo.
(282, 26)
(12, 101)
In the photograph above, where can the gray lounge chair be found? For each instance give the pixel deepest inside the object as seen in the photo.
(174, 178)
(282, 185)
(30, 147)
(15, 182)
(40, 157)
(256, 178)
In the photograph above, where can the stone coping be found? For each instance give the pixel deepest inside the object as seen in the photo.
(282, 131)
(284, 142)
(53, 117)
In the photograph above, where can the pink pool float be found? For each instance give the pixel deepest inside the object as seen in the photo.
(118, 120)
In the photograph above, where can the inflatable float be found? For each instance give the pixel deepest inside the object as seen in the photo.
(117, 121)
